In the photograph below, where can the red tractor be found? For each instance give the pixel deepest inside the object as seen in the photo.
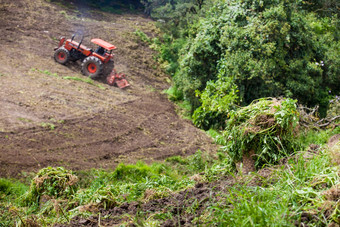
(93, 62)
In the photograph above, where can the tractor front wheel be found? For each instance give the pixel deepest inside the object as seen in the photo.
(92, 67)
(62, 55)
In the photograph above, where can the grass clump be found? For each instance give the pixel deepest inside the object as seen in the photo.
(85, 80)
(315, 136)
(143, 37)
(11, 189)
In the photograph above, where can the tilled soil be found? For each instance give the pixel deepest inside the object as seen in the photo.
(184, 207)
(49, 118)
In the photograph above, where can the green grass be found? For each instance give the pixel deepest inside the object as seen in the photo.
(298, 189)
(10, 192)
(11, 189)
(85, 80)
(51, 126)
(143, 37)
(317, 136)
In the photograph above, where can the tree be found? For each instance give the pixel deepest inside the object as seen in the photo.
(268, 48)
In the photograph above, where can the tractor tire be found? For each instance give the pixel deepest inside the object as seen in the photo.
(62, 55)
(92, 67)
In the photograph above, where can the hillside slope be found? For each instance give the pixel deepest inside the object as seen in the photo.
(50, 117)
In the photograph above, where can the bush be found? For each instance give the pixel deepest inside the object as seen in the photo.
(218, 99)
(267, 48)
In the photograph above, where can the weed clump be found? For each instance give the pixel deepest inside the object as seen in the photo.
(263, 132)
(52, 182)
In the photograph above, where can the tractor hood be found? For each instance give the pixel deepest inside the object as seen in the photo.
(103, 44)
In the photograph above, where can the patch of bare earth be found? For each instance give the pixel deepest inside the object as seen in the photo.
(49, 119)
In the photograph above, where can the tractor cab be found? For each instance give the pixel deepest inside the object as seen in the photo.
(104, 50)
(101, 51)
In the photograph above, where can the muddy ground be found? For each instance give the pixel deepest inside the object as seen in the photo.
(49, 118)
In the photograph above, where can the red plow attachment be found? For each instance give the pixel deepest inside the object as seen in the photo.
(117, 79)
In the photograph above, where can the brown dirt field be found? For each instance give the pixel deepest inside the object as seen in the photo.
(49, 120)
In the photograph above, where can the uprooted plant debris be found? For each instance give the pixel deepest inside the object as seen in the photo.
(265, 129)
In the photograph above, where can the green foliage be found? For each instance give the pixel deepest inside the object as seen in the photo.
(251, 203)
(297, 189)
(143, 37)
(10, 189)
(54, 182)
(218, 100)
(135, 173)
(267, 48)
(286, 114)
(196, 162)
(135, 182)
(265, 127)
(191, 165)
(174, 94)
(334, 107)
(322, 7)
(169, 51)
(172, 11)
(314, 136)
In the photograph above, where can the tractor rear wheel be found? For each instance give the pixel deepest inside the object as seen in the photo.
(62, 55)
(92, 67)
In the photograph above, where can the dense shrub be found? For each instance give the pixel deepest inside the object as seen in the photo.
(267, 48)
(218, 100)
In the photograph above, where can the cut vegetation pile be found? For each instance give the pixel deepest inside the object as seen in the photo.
(51, 183)
(262, 133)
